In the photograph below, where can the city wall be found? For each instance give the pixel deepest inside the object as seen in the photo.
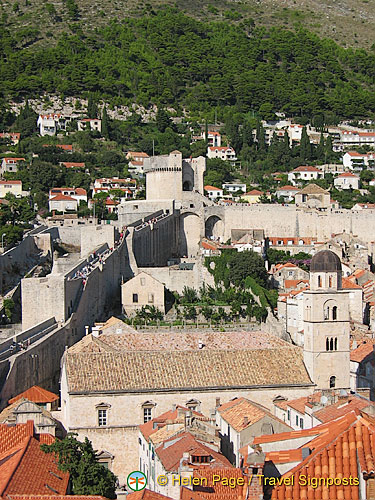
(277, 220)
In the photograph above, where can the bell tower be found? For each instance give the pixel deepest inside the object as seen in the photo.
(326, 324)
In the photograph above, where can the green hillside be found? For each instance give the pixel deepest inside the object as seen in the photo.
(349, 22)
(171, 59)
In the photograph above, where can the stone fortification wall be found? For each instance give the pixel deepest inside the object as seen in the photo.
(40, 363)
(155, 242)
(277, 220)
(131, 212)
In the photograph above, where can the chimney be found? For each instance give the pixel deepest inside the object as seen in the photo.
(217, 404)
(255, 465)
(245, 420)
(87, 328)
(96, 331)
(174, 407)
(200, 344)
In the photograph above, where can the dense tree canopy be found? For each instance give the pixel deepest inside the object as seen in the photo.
(168, 58)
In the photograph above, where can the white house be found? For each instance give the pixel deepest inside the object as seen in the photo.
(213, 138)
(78, 194)
(13, 187)
(62, 203)
(225, 153)
(136, 161)
(358, 161)
(304, 173)
(286, 192)
(92, 123)
(51, 123)
(357, 138)
(232, 188)
(10, 164)
(213, 192)
(12, 137)
(347, 180)
(106, 184)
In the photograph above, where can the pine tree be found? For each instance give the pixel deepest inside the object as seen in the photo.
(92, 109)
(105, 123)
(305, 146)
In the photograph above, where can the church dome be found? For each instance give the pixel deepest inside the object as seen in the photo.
(325, 261)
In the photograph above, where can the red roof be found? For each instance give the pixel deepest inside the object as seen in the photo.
(145, 494)
(347, 174)
(138, 153)
(7, 160)
(71, 164)
(36, 394)
(10, 182)
(361, 352)
(287, 188)
(216, 491)
(220, 148)
(348, 284)
(254, 192)
(345, 452)
(212, 188)
(24, 467)
(306, 169)
(62, 197)
(171, 451)
(66, 147)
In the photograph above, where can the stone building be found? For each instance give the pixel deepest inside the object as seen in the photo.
(112, 383)
(327, 323)
(140, 291)
(313, 196)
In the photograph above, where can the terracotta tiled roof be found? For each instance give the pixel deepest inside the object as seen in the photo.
(58, 497)
(211, 188)
(138, 154)
(216, 491)
(294, 283)
(10, 182)
(287, 188)
(71, 164)
(348, 284)
(241, 413)
(62, 197)
(37, 395)
(144, 495)
(65, 147)
(347, 174)
(341, 408)
(254, 192)
(153, 425)
(171, 451)
(125, 371)
(313, 189)
(12, 160)
(220, 148)
(362, 351)
(11, 436)
(306, 169)
(347, 452)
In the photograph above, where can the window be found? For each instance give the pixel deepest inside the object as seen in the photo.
(330, 282)
(143, 281)
(296, 419)
(135, 298)
(147, 414)
(335, 343)
(319, 281)
(327, 344)
(332, 382)
(289, 415)
(301, 423)
(150, 298)
(102, 417)
(334, 312)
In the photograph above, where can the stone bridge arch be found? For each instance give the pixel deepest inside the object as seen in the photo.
(214, 227)
(190, 234)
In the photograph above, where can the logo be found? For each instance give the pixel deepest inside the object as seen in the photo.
(137, 480)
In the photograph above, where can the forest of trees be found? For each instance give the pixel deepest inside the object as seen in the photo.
(170, 59)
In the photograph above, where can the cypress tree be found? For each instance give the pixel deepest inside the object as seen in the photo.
(305, 146)
(105, 123)
(320, 148)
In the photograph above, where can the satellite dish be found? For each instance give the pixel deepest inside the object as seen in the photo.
(324, 400)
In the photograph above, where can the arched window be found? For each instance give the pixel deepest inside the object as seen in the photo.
(334, 312)
(326, 313)
(330, 282)
(319, 281)
(335, 343)
(332, 382)
(327, 344)
(331, 344)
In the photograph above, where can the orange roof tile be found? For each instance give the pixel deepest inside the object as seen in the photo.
(306, 169)
(346, 452)
(145, 494)
(347, 283)
(211, 188)
(254, 192)
(36, 394)
(341, 408)
(62, 197)
(72, 164)
(172, 450)
(362, 351)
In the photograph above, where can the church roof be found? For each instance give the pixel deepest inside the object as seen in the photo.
(312, 189)
(149, 371)
(325, 261)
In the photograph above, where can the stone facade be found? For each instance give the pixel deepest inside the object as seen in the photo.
(142, 290)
